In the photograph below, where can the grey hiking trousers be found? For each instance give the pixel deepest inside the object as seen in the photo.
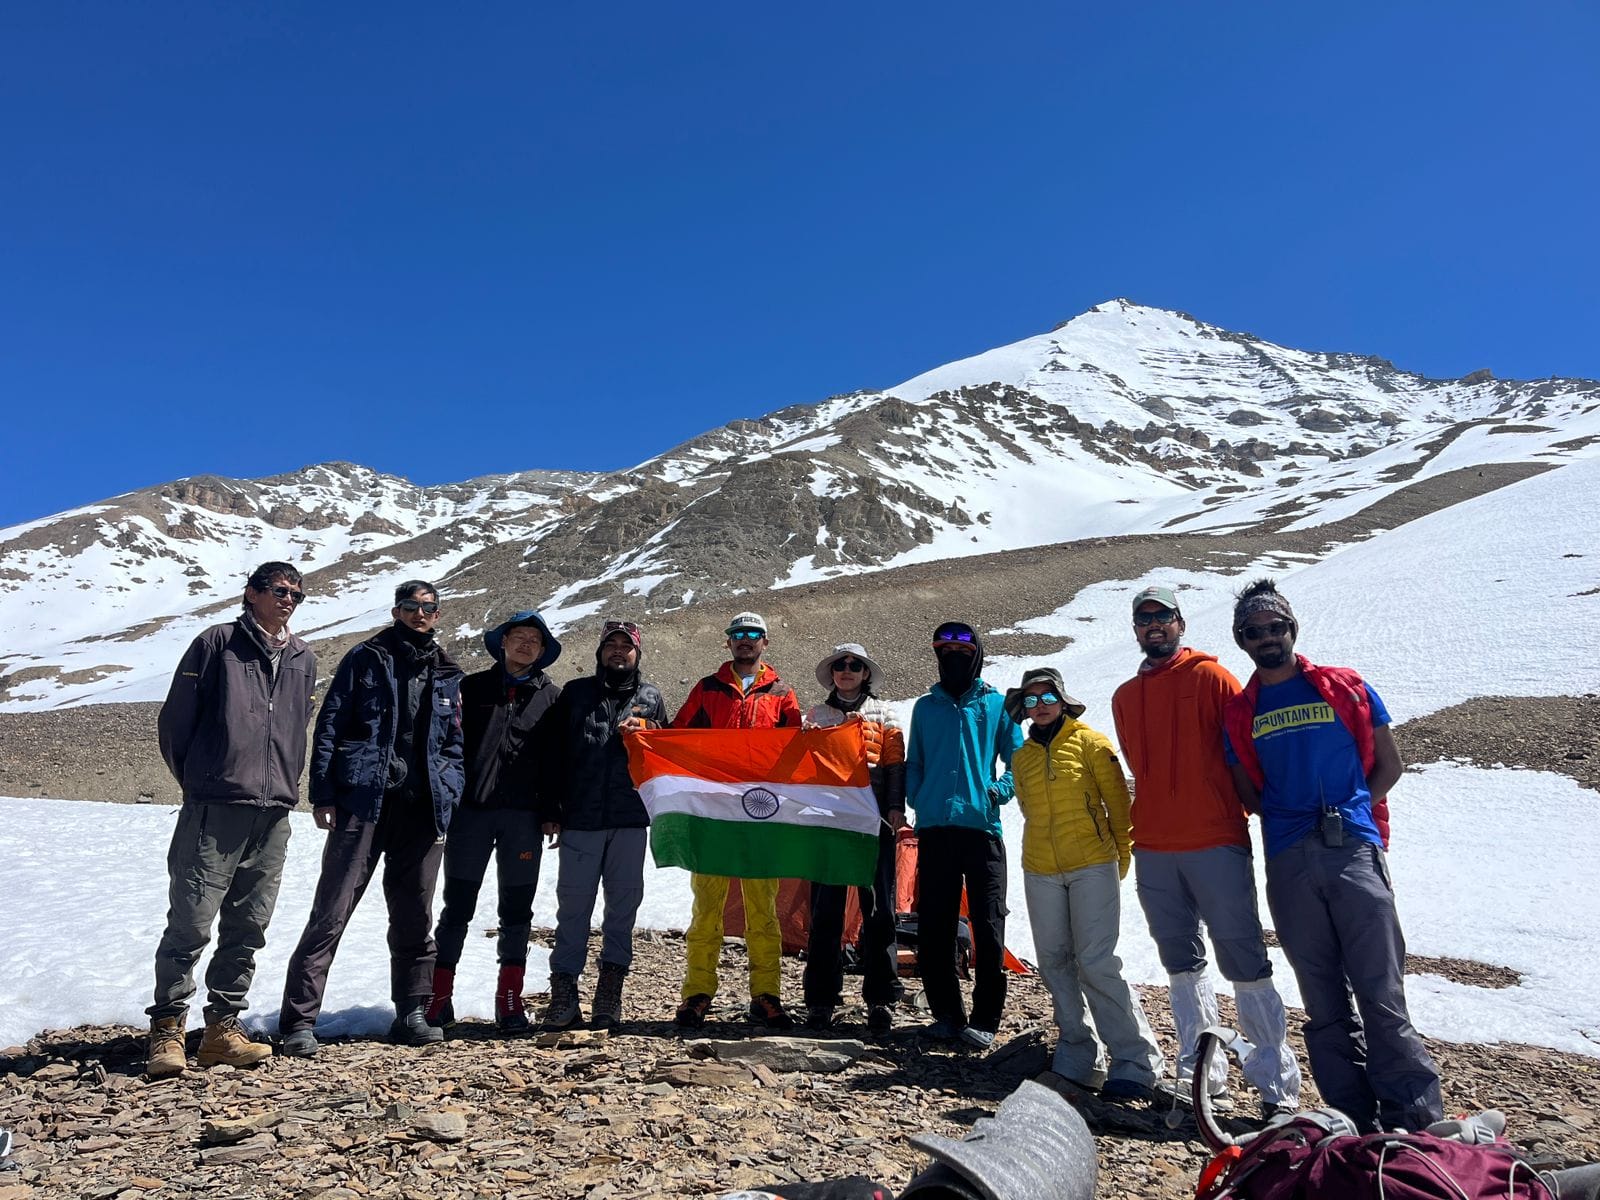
(224, 865)
(1333, 908)
(1179, 889)
(590, 858)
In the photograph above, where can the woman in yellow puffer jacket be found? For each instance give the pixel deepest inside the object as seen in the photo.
(1075, 852)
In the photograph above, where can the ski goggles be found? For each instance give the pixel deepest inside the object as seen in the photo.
(1032, 701)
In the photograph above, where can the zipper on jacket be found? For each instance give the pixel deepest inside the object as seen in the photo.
(1094, 817)
(266, 758)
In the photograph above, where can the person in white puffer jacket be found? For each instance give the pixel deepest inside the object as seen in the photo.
(849, 674)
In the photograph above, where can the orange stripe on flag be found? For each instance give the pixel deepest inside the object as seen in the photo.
(832, 757)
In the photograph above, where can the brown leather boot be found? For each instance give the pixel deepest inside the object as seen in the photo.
(166, 1056)
(226, 1042)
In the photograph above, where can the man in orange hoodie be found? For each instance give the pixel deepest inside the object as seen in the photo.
(1191, 848)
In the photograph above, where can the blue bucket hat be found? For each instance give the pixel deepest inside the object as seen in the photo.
(493, 637)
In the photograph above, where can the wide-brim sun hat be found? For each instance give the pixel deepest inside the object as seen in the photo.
(1071, 705)
(493, 638)
(848, 650)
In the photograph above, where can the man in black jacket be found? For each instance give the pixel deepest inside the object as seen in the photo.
(500, 709)
(385, 778)
(595, 811)
(233, 733)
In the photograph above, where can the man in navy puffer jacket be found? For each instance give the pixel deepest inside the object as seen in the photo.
(386, 774)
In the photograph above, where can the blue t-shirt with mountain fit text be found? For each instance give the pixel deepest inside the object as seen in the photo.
(1311, 763)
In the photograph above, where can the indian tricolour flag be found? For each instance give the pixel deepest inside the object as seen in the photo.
(759, 803)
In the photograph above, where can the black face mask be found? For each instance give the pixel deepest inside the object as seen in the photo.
(957, 671)
(420, 642)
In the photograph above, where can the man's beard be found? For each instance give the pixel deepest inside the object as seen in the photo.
(1270, 657)
(1160, 650)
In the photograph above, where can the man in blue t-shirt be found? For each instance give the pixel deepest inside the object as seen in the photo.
(1310, 749)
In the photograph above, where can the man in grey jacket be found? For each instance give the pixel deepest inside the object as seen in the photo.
(233, 733)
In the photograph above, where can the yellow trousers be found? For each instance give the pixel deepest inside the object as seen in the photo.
(762, 940)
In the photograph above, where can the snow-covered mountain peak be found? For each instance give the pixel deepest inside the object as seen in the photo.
(1125, 419)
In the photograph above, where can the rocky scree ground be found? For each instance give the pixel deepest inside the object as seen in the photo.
(641, 1113)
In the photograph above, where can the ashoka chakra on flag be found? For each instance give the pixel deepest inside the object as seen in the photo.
(759, 803)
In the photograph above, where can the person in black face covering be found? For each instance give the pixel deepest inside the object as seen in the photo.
(594, 812)
(959, 735)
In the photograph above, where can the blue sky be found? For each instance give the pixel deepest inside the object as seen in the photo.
(449, 240)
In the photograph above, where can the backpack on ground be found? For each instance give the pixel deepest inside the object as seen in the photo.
(1319, 1155)
(1301, 1159)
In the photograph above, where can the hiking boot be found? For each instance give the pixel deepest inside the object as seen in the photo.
(1179, 1095)
(411, 1026)
(980, 1039)
(441, 1005)
(766, 1009)
(819, 1017)
(692, 1012)
(563, 1011)
(1271, 1110)
(1128, 1091)
(944, 1030)
(607, 1010)
(510, 1016)
(226, 1043)
(880, 1020)
(166, 1056)
(299, 1043)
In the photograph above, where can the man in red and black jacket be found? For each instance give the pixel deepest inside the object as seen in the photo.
(1311, 752)
(745, 693)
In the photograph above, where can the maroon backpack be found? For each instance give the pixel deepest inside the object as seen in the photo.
(1302, 1160)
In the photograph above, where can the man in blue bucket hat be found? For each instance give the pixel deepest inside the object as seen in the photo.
(498, 817)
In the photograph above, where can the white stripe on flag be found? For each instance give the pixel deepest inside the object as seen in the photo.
(853, 809)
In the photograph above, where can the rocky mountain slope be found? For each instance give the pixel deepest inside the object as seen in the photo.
(1125, 420)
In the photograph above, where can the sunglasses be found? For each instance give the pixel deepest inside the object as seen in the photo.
(1161, 616)
(1254, 633)
(954, 633)
(1032, 701)
(624, 626)
(849, 664)
(411, 606)
(287, 593)
(747, 635)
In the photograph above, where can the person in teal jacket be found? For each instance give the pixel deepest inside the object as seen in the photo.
(959, 734)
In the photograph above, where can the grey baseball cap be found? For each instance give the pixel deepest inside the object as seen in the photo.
(1161, 595)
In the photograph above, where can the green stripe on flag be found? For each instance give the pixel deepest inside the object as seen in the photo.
(756, 850)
